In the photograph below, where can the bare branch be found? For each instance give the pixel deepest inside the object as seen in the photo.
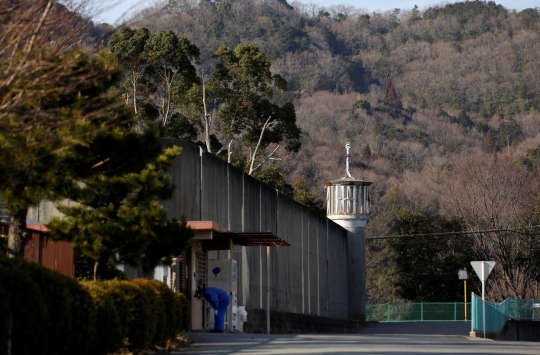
(267, 124)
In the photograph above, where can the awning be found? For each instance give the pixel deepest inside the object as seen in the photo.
(256, 239)
(216, 237)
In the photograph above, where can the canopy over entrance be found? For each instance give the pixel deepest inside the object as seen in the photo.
(216, 237)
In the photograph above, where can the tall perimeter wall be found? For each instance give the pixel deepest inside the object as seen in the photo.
(309, 277)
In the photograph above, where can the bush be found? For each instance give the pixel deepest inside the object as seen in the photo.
(154, 290)
(3, 245)
(83, 321)
(54, 314)
(134, 314)
(28, 310)
(4, 321)
(182, 312)
(58, 301)
(108, 334)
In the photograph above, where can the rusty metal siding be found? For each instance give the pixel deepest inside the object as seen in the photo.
(64, 258)
(33, 247)
(58, 256)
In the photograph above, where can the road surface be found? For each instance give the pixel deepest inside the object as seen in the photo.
(379, 339)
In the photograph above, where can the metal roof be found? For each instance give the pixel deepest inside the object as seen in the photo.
(254, 239)
(216, 237)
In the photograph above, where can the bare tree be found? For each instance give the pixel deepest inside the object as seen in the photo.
(490, 194)
(33, 34)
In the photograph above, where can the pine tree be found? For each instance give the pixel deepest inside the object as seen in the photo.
(64, 134)
(489, 146)
(366, 152)
(306, 197)
(119, 214)
(35, 153)
(390, 90)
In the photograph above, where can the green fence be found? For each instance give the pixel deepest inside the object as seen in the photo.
(497, 314)
(418, 312)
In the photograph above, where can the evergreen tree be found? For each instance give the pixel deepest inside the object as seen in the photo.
(159, 72)
(128, 46)
(509, 133)
(36, 138)
(64, 134)
(425, 266)
(274, 177)
(118, 211)
(366, 152)
(390, 90)
(243, 89)
(489, 146)
(306, 197)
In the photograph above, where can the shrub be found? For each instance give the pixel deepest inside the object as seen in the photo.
(134, 314)
(182, 312)
(108, 333)
(29, 313)
(3, 245)
(154, 290)
(54, 314)
(83, 322)
(4, 321)
(58, 301)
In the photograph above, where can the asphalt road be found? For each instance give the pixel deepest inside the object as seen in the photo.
(379, 339)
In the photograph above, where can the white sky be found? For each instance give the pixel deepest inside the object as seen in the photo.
(113, 13)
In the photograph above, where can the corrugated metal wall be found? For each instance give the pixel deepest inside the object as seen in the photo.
(57, 256)
(309, 277)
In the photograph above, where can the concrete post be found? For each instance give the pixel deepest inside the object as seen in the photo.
(356, 265)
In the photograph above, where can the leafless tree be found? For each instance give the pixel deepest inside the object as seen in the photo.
(33, 36)
(489, 192)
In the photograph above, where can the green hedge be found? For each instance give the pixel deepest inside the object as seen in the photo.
(50, 313)
(183, 318)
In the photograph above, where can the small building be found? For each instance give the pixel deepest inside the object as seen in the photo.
(58, 256)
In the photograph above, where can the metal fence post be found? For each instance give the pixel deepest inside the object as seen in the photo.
(388, 312)
(455, 311)
(473, 316)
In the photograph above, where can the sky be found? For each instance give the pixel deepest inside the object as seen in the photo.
(113, 13)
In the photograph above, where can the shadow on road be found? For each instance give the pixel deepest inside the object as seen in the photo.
(419, 328)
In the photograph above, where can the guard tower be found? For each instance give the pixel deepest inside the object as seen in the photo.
(347, 204)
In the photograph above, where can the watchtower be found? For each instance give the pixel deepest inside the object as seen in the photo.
(347, 204)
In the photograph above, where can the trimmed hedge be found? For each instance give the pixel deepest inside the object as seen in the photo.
(108, 335)
(183, 318)
(53, 314)
(29, 314)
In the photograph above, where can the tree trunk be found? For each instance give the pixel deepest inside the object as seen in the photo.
(100, 268)
(17, 233)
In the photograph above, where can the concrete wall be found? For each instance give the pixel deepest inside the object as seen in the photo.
(515, 330)
(309, 277)
(294, 323)
(522, 330)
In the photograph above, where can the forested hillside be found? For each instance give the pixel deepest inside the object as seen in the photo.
(442, 109)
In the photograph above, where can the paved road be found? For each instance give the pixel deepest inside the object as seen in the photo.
(379, 339)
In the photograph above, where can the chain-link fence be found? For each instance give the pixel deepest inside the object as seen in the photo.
(419, 312)
(497, 314)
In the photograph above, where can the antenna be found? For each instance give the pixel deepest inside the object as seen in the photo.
(348, 158)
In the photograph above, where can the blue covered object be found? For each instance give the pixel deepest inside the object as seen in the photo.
(219, 300)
